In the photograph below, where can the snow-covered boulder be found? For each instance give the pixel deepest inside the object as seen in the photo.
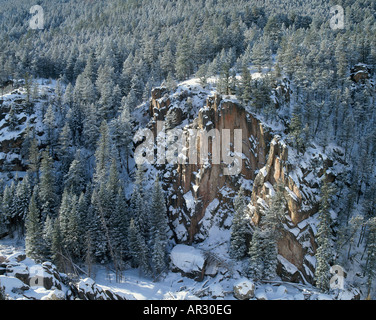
(45, 275)
(88, 289)
(19, 271)
(54, 295)
(216, 291)
(244, 289)
(189, 261)
(13, 285)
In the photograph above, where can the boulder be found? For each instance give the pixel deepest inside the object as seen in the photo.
(189, 261)
(244, 289)
(12, 284)
(21, 272)
(54, 295)
(45, 275)
(88, 289)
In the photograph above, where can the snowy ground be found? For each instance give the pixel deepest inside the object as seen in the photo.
(173, 286)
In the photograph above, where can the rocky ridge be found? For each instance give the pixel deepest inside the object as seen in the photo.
(202, 195)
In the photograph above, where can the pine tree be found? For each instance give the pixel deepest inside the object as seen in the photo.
(47, 187)
(295, 131)
(240, 228)
(56, 246)
(159, 256)
(102, 154)
(64, 149)
(96, 227)
(246, 91)
(105, 85)
(48, 235)
(273, 218)
(49, 122)
(90, 128)
(158, 229)
(256, 256)
(75, 179)
(12, 119)
(323, 238)
(34, 233)
(22, 201)
(138, 248)
(184, 62)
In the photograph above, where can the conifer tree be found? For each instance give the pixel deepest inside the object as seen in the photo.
(75, 179)
(184, 63)
(256, 256)
(296, 134)
(102, 154)
(323, 238)
(274, 216)
(138, 248)
(240, 228)
(34, 234)
(91, 128)
(158, 229)
(22, 201)
(47, 236)
(246, 92)
(47, 187)
(56, 245)
(34, 162)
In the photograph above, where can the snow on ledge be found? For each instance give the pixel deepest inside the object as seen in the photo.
(187, 258)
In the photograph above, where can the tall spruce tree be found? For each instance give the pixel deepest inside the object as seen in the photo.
(240, 229)
(34, 232)
(324, 252)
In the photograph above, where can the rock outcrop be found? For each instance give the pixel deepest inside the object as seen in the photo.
(201, 193)
(196, 186)
(23, 278)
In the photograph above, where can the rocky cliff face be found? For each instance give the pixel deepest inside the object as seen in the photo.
(201, 195)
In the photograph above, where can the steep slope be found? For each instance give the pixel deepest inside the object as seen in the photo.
(200, 196)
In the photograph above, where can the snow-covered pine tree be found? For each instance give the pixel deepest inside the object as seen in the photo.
(34, 232)
(158, 228)
(22, 201)
(159, 262)
(64, 148)
(323, 238)
(240, 230)
(75, 179)
(102, 154)
(33, 161)
(138, 248)
(245, 84)
(47, 236)
(95, 228)
(255, 268)
(273, 217)
(47, 187)
(105, 86)
(49, 121)
(56, 245)
(296, 131)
